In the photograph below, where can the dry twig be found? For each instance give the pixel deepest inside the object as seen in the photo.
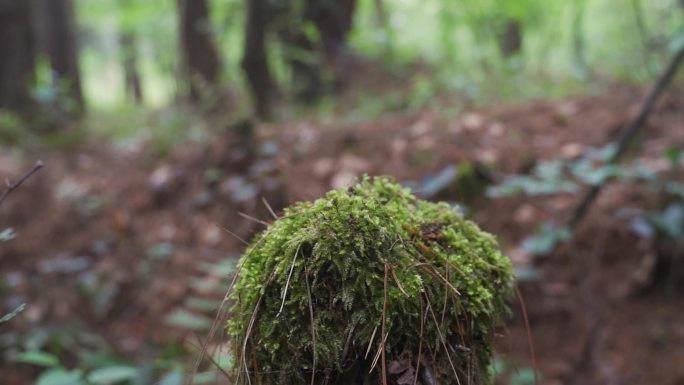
(629, 132)
(9, 187)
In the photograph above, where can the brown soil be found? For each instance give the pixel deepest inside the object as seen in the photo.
(114, 241)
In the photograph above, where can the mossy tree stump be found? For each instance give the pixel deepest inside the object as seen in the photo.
(368, 285)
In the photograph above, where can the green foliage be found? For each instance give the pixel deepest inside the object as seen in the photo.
(61, 376)
(545, 239)
(360, 261)
(565, 176)
(112, 374)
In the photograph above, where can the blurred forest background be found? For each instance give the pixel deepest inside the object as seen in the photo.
(164, 125)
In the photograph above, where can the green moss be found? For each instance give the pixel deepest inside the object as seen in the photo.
(350, 260)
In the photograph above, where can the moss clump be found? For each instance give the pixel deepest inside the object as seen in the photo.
(319, 288)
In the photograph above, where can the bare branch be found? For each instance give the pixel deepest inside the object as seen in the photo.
(629, 132)
(9, 187)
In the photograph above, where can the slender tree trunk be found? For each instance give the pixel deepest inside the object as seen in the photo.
(18, 57)
(62, 50)
(334, 20)
(511, 38)
(578, 40)
(132, 82)
(201, 63)
(254, 60)
(311, 59)
(638, 11)
(303, 59)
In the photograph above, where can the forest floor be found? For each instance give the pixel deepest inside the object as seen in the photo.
(136, 250)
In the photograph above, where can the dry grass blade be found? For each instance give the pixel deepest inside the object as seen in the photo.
(219, 319)
(529, 332)
(249, 331)
(431, 270)
(384, 325)
(269, 208)
(313, 327)
(441, 338)
(376, 358)
(420, 341)
(251, 218)
(287, 284)
(370, 343)
(233, 234)
(200, 347)
(396, 279)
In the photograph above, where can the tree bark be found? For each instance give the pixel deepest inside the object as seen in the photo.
(254, 61)
(334, 20)
(511, 39)
(201, 64)
(17, 66)
(578, 38)
(62, 51)
(132, 82)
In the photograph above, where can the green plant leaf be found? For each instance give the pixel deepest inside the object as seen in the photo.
(673, 155)
(112, 374)
(174, 377)
(202, 304)
(36, 357)
(205, 378)
(546, 238)
(523, 377)
(61, 376)
(7, 234)
(185, 319)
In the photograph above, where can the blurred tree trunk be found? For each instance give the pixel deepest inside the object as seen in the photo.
(17, 65)
(254, 59)
(578, 38)
(132, 82)
(201, 64)
(62, 51)
(511, 38)
(333, 20)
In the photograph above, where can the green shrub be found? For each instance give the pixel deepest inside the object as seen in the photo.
(318, 290)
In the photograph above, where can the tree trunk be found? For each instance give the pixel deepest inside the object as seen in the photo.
(132, 81)
(303, 59)
(18, 57)
(578, 39)
(334, 20)
(254, 60)
(62, 51)
(510, 40)
(310, 59)
(201, 64)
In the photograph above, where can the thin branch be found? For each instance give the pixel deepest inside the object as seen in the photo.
(630, 132)
(9, 187)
